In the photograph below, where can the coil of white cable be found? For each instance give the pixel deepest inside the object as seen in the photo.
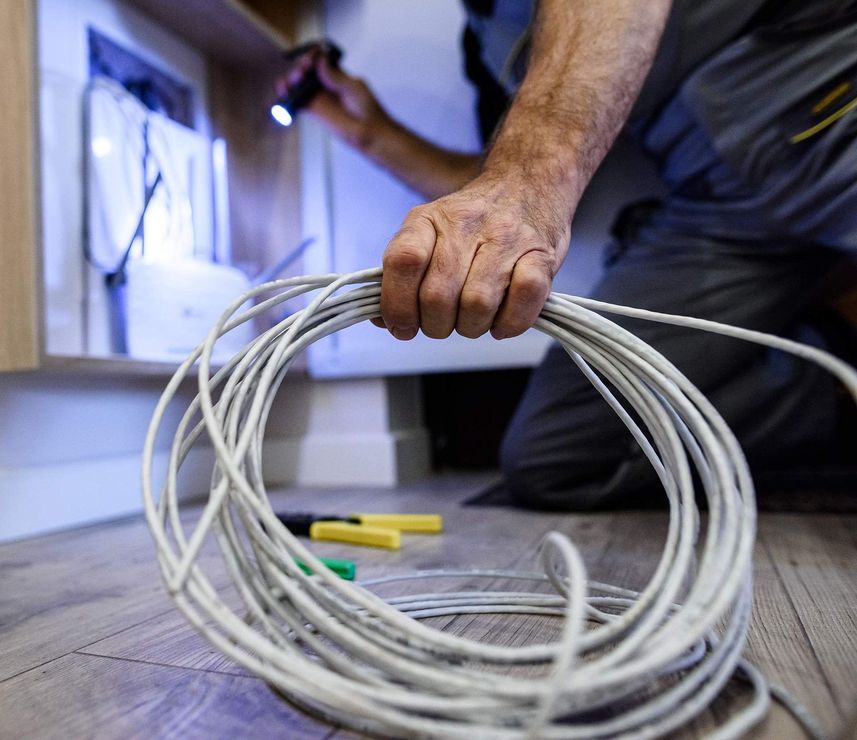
(627, 664)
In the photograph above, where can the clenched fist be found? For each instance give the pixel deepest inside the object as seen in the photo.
(481, 259)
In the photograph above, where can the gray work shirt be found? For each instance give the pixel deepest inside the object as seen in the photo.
(749, 110)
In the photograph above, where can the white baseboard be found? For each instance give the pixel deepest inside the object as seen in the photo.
(36, 499)
(358, 459)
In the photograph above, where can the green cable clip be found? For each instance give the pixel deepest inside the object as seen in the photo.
(345, 569)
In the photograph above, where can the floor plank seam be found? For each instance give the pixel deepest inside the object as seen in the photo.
(36, 667)
(844, 712)
(159, 615)
(167, 665)
(807, 638)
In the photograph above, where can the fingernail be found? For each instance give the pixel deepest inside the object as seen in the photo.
(497, 334)
(403, 334)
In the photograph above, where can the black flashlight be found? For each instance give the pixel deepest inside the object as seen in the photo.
(287, 107)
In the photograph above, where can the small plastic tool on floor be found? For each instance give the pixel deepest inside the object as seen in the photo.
(425, 523)
(345, 569)
(375, 530)
(355, 534)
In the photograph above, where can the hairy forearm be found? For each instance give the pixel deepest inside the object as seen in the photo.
(484, 258)
(429, 169)
(588, 62)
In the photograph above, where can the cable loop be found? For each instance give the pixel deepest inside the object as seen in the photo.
(626, 664)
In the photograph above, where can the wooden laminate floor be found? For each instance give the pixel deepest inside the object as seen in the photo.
(91, 647)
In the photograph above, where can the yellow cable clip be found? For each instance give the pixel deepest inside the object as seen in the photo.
(356, 534)
(426, 523)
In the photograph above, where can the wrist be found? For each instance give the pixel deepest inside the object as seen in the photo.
(547, 182)
(536, 150)
(378, 136)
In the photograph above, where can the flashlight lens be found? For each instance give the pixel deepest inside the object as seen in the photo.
(281, 115)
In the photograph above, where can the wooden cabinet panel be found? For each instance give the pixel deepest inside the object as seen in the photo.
(19, 285)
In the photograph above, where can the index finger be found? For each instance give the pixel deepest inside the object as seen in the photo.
(406, 260)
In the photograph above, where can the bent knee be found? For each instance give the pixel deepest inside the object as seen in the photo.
(577, 483)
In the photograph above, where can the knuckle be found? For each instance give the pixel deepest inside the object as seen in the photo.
(417, 212)
(533, 281)
(434, 296)
(533, 277)
(532, 288)
(478, 301)
(404, 257)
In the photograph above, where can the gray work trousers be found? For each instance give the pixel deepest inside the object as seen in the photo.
(756, 216)
(566, 449)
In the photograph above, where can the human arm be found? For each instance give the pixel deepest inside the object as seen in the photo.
(483, 258)
(348, 107)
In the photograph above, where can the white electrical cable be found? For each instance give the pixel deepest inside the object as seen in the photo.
(626, 664)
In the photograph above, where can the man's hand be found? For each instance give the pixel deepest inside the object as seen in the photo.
(349, 109)
(480, 259)
(346, 104)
